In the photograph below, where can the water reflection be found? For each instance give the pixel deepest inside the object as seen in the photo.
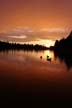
(35, 76)
(66, 58)
(47, 56)
(40, 56)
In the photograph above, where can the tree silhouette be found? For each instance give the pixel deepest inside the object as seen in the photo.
(63, 50)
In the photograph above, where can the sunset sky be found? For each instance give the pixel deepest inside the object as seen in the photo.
(35, 21)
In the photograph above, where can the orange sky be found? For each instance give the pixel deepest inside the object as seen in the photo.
(36, 15)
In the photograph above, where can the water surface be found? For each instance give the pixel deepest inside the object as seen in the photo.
(25, 74)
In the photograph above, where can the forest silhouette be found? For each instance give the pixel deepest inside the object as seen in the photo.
(63, 50)
(6, 46)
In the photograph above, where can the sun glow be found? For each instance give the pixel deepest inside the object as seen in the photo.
(47, 43)
(44, 42)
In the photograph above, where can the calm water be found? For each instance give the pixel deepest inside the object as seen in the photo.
(25, 74)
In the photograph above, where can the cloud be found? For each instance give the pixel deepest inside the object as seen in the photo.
(55, 30)
(18, 37)
(29, 34)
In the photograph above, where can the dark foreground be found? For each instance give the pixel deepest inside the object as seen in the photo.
(34, 93)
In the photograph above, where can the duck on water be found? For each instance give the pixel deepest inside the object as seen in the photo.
(48, 58)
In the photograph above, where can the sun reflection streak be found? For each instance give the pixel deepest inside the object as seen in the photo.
(49, 53)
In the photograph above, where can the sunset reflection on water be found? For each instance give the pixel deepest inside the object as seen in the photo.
(29, 74)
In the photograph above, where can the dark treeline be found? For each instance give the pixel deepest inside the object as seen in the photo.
(64, 45)
(13, 46)
(63, 50)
